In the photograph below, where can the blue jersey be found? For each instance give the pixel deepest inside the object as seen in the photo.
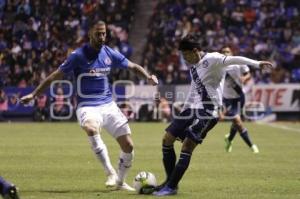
(91, 68)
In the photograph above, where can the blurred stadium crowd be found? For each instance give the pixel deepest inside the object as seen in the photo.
(259, 29)
(36, 36)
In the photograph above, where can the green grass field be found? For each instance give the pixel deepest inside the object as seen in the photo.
(54, 160)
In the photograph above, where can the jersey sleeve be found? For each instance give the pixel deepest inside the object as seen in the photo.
(69, 64)
(238, 60)
(119, 60)
(217, 58)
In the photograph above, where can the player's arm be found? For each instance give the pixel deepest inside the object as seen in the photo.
(67, 66)
(222, 114)
(245, 77)
(56, 75)
(152, 79)
(239, 60)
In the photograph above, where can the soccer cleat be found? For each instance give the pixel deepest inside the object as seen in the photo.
(228, 144)
(12, 193)
(165, 191)
(124, 186)
(254, 148)
(159, 187)
(162, 185)
(111, 180)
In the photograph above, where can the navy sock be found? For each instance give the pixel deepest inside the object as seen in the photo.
(180, 168)
(4, 186)
(244, 135)
(232, 133)
(169, 159)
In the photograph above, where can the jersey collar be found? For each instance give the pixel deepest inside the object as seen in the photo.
(90, 52)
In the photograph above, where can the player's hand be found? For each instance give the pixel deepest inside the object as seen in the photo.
(27, 98)
(221, 116)
(153, 80)
(243, 80)
(266, 65)
(222, 112)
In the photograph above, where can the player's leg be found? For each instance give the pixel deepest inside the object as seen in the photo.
(231, 107)
(117, 125)
(170, 187)
(229, 138)
(187, 149)
(244, 133)
(195, 135)
(8, 190)
(126, 157)
(91, 126)
(169, 155)
(176, 130)
(126, 154)
(232, 132)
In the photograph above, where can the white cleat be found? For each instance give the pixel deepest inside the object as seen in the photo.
(124, 186)
(254, 149)
(111, 181)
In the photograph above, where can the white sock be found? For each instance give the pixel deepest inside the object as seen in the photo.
(125, 162)
(101, 153)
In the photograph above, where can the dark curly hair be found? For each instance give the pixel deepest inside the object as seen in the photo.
(190, 42)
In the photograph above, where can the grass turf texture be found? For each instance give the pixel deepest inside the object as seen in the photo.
(54, 160)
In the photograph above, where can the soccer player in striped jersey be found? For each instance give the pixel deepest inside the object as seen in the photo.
(234, 100)
(200, 113)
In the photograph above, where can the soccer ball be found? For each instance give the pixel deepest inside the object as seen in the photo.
(144, 182)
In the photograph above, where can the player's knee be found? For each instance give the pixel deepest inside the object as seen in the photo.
(90, 127)
(238, 124)
(168, 139)
(240, 128)
(128, 147)
(125, 143)
(166, 142)
(188, 145)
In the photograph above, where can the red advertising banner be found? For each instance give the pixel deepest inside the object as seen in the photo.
(279, 97)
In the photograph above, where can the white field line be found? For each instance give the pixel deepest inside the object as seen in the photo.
(279, 126)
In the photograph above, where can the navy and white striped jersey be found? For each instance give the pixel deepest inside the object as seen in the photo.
(233, 87)
(208, 77)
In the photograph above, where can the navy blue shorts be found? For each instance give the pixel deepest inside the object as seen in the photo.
(234, 106)
(192, 123)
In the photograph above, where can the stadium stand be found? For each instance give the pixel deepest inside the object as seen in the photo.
(257, 29)
(36, 36)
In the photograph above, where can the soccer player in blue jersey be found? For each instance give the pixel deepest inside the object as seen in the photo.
(233, 100)
(8, 190)
(201, 109)
(91, 64)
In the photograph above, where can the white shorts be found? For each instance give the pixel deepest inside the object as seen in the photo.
(107, 116)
